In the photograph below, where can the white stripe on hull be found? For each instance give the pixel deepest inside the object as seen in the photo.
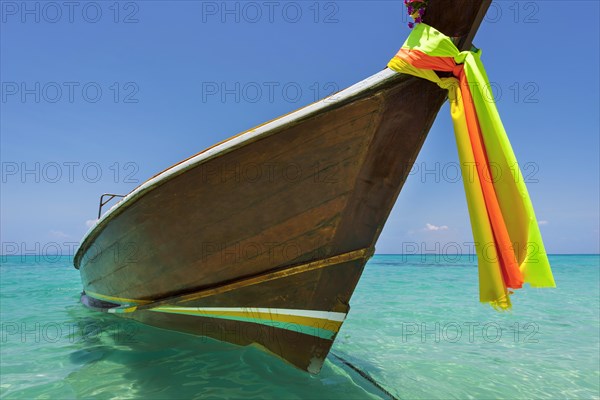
(329, 315)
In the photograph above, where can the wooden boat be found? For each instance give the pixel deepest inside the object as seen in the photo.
(261, 239)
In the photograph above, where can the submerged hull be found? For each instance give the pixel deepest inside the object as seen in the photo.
(262, 239)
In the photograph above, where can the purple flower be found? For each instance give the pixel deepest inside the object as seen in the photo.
(416, 9)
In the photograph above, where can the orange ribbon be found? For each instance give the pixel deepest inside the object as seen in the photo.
(513, 278)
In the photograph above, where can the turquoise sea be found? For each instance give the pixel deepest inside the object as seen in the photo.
(416, 327)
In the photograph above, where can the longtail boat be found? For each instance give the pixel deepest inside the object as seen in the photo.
(261, 239)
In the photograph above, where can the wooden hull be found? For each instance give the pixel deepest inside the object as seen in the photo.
(282, 312)
(262, 239)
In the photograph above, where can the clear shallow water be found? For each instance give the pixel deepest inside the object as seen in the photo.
(415, 326)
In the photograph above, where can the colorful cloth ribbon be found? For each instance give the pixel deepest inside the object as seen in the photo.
(508, 243)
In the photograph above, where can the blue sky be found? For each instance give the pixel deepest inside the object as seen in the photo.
(99, 97)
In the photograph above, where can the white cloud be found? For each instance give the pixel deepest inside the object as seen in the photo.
(90, 222)
(430, 227)
(543, 222)
(59, 235)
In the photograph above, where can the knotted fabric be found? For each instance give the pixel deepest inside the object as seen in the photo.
(508, 243)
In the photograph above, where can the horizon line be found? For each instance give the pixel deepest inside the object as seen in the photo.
(375, 254)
